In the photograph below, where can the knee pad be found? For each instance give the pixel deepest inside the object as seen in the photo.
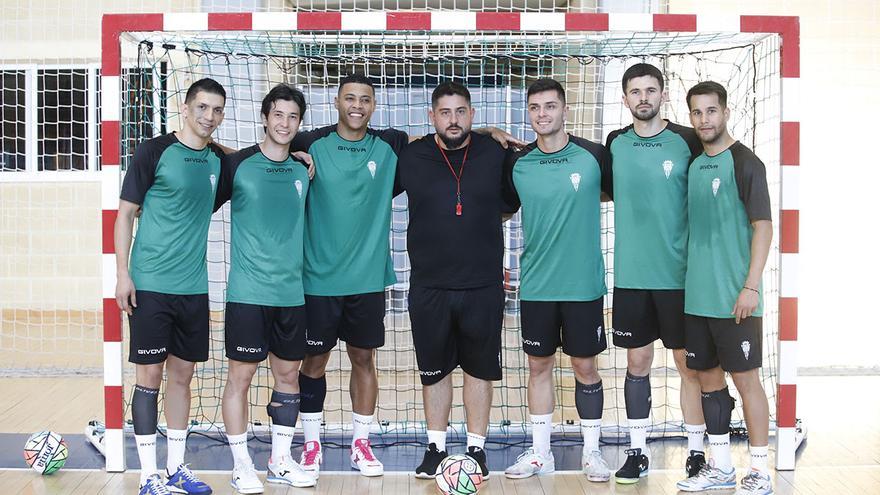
(717, 408)
(283, 408)
(312, 391)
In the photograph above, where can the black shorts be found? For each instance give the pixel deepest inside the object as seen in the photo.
(720, 341)
(163, 324)
(641, 316)
(457, 327)
(582, 323)
(253, 331)
(358, 320)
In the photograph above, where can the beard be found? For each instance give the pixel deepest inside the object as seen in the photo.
(639, 114)
(453, 143)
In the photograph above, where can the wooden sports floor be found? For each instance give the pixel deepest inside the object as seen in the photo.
(840, 456)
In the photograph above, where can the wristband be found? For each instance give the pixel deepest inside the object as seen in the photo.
(751, 289)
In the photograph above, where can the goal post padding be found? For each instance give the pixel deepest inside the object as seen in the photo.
(150, 59)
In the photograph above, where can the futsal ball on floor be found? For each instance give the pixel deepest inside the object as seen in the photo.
(45, 452)
(459, 474)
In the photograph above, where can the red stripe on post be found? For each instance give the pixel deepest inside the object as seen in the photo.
(786, 406)
(789, 228)
(230, 22)
(112, 321)
(788, 318)
(110, 141)
(497, 21)
(790, 135)
(675, 22)
(113, 407)
(586, 22)
(789, 28)
(112, 25)
(408, 21)
(319, 21)
(108, 219)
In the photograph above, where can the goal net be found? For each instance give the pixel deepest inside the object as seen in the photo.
(497, 67)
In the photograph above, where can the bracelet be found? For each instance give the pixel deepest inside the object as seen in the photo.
(751, 289)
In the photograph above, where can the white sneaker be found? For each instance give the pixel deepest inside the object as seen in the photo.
(288, 472)
(245, 480)
(709, 478)
(530, 463)
(311, 458)
(595, 467)
(363, 460)
(755, 483)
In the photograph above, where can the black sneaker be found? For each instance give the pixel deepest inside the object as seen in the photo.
(479, 455)
(635, 467)
(695, 462)
(433, 457)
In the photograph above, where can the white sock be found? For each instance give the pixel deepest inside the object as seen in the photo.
(361, 425)
(474, 440)
(238, 445)
(638, 434)
(438, 438)
(146, 447)
(759, 458)
(311, 425)
(720, 447)
(695, 435)
(591, 429)
(282, 437)
(176, 440)
(542, 424)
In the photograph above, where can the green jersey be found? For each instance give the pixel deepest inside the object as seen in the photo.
(726, 193)
(176, 186)
(268, 210)
(559, 193)
(649, 189)
(348, 214)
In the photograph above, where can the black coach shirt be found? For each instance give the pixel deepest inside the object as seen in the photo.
(449, 251)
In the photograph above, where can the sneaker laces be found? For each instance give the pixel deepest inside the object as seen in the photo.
(157, 487)
(188, 474)
(363, 447)
(752, 480)
(529, 451)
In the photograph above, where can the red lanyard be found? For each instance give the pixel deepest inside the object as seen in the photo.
(457, 176)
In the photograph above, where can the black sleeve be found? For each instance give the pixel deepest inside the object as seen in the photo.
(751, 181)
(607, 166)
(224, 185)
(304, 139)
(509, 196)
(142, 172)
(397, 139)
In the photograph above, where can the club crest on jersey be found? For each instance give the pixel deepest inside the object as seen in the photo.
(371, 166)
(746, 347)
(667, 167)
(575, 180)
(213, 179)
(716, 183)
(299, 187)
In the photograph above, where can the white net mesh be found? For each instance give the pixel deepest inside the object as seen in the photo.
(497, 67)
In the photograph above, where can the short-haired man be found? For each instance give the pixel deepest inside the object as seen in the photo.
(164, 290)
(649, 163)
(265, 307)
(454, 184)
(558, 180)
(729, 216)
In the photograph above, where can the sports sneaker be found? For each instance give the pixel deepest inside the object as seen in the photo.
(595, 467)
(245, 480)
(530, 463)
(433, 457)
(154, 486)
(709, 478)
(288, 472)
(635, 467)
(755, 483)
(185, 481)
(694, 463)
(479, 455)
(311, 458)
(363, 460)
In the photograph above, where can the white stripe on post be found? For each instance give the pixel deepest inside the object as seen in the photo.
(542, 21)
(791, 178)
(109, 187)
(786, 446)
(791, 99)
(788, 269)
(453, 21)
(108, 288)
(110, 98)
(114, 450)
(274, 21)
(185, 22)
(630, 22)
(715, 23)
(364, 21)
(787, 374)
(113, 364)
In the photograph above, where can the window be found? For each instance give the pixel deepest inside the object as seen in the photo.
(12, 125)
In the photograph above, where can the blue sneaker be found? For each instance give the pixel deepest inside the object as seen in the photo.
(154, 486)
(185, 481)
